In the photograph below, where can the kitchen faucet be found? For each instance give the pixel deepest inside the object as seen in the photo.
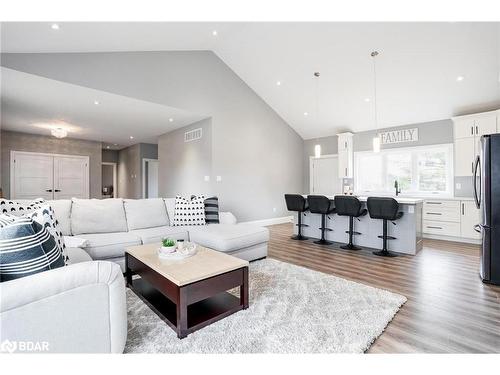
(396, 186)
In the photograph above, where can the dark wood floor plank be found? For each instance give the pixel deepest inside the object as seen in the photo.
(449, 309)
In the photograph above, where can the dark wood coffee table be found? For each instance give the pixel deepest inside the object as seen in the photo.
(188, 294)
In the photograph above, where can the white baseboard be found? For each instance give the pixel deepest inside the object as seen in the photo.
(273, 221)
(454, 239)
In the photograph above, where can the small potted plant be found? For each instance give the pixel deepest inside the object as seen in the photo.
(168, 245)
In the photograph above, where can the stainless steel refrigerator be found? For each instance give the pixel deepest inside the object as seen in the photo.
(487, 196)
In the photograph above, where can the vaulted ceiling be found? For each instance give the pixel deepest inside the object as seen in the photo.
(425, 71)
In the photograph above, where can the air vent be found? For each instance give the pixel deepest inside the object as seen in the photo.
(193, 135)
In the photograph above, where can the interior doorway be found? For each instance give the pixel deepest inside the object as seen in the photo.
(150, 178)
(109, 180)
(324, 175)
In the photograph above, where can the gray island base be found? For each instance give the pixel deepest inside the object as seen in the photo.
(408, 229)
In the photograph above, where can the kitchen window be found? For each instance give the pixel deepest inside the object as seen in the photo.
(422, 170)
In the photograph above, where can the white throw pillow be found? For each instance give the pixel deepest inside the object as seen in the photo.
(97, 216)
(145, 213)
(189, 211)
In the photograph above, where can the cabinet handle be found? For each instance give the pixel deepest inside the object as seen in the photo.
(434, 227)
(434, 213)
(434, 202)
(49, 190)
(472, 167)
(57, 191)
(477, 130)
(463, 209)
(345, 172)
(471, 130)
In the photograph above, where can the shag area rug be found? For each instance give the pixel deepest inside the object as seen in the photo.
(292, 310)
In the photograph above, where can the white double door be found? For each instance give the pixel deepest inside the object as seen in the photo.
(49, 176)
(324, 175)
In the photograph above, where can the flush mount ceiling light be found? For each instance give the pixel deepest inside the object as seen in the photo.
(59, 132)
(54, 26)
(376, 139)
(460, 78)
(214, 33)
(367, 100)
(278, 83)
(306, 114)
(96, 102)
(107, 147)
(171, 119)
(131, 137)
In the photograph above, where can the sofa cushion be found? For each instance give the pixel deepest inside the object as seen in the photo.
(97, 216)
(152, 235)
(109, 245)
(228, 237)
(26, 247)
(170, 206)
(77, 255)
(62, 209)
(145, 213)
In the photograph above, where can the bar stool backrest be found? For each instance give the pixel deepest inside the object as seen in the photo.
(319, 204)
(347, 205)
(295, 202)
(383, 208)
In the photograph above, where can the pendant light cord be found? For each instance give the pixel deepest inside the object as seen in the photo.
(374, 54)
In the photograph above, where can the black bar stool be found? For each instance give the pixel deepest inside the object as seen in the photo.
(387, 210)
(297, 203)
(346, 205)
(319, 204)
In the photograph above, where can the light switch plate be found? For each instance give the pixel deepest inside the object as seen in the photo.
(219, 178)
(207, 178)
(411, 209)
(458, 186)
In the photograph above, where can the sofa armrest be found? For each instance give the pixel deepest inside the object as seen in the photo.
(227, 218)
(77, 308)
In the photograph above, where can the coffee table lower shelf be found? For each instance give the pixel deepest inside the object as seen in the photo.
(199, 314)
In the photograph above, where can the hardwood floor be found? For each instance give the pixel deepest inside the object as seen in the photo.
(449, 309)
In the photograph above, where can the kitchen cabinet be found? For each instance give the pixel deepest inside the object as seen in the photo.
(465, 151)
(345, 155)
(470, 216)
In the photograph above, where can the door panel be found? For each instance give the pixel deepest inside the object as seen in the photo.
(152, 189)
(324, 176)
(71, 177)
(464, 156)
(32, 176)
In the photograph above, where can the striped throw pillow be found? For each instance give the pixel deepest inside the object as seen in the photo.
(212, 210)
(26, 248)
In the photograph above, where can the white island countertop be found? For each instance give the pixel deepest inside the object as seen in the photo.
(401, 200)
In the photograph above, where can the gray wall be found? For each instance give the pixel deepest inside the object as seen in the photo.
(130, 169)
(184, 164)
(257, 154)
(110, 156)
(14, 141)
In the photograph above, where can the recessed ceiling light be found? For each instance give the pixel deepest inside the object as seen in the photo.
(107, 146)
(278, 83)
(367, 100)
(306, 114)
(131, 137)
(460, 78)
(171, 119)
(214, 33)
(54, 26)
(96, 102)
(59, 133)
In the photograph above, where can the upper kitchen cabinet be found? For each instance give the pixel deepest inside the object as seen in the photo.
(345, 155)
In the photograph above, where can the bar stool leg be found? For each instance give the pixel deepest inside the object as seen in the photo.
(350, 245)
(299, 236)
(384, 252)
(323, 240)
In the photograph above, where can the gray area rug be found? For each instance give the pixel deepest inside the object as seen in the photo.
(292, 310)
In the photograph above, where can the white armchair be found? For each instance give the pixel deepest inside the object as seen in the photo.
(80, 308)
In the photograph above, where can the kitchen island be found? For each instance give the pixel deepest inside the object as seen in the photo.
(408, 229)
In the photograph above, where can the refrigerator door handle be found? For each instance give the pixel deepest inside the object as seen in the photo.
(477, 199)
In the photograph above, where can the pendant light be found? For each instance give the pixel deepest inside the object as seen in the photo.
(317, 148)
(376, 139)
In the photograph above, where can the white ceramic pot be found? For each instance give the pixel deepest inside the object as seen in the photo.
(167, 249)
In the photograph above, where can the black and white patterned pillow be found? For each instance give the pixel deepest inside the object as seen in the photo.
(18, 209)
(48, 220)
(189, 211)
(212, 210)
(26, 247)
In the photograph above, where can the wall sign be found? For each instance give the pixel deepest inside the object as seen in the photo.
(399, 136)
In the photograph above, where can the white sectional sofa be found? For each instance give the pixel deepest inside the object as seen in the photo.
(111, 225)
